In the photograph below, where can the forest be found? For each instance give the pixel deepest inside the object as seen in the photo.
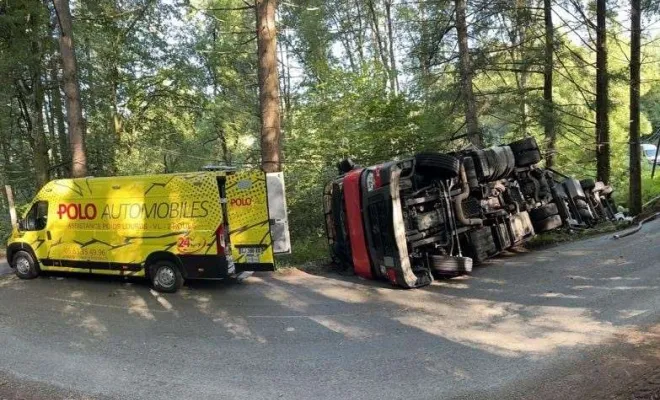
(123, 87)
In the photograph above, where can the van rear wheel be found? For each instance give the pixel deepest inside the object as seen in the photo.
(165, 276)
(24, 265)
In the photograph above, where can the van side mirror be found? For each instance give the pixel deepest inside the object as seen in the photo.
(21, 224)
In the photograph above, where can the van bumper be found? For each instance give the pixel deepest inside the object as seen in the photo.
(206, 266)
(242, 267)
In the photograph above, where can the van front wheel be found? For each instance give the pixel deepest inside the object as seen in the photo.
(165, 277)
(24, 265)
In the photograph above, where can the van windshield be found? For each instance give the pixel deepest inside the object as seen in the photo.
(650, 152)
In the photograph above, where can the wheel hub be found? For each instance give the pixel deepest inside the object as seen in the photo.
(166, 276)
(23, 266)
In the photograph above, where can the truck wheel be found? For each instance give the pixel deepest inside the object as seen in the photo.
(510, 159)
(437, 164)
(543, 212)
(548, 224)
(587, 184)
(165, 277)
(495, 163)
(528, 157)
(24, 265)
(446, 266)
(525, 144)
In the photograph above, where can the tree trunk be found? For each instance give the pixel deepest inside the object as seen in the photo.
(359, 35)
(602, 100)
(40, 148)
(35, 114)
(548, 104)
(378, 38)
(50, 123)
(522, 22)
(58, 115)
(394, 79)
(269, 95)
(71, 90)
(635, 193)
(471, 120)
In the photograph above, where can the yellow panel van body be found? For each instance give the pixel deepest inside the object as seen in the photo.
(199, 225)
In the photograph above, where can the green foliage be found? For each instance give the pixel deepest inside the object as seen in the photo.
(173, 87)
(312, 250)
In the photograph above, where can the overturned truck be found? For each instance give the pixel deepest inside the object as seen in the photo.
(435, 214)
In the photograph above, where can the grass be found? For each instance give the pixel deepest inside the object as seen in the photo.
(310, 254)
(563, 235)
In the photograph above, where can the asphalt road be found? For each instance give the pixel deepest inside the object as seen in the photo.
(537, 325)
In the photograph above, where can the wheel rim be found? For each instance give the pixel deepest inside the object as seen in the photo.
(23, 266)
(166, 276)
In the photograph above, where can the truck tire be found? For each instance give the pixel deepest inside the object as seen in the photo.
(510, 158)
(447, 266)
(165, 276)
(523, 145)
(481, 245)
(543, 212)
(503, 166)
(587, 184)
(24, 265)
(547, 224)
(491, 159)
(528, 157)
(437, 164)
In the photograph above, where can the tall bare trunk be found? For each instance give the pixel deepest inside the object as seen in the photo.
(548, 104)
(50, 123)
(522, 22)
(58, 115)
(40, 148)
(35, 113)
(71, 90)
(394, 78)
(471, 120)
(359, 35)
(378, 38)
(269, 95)
(602, 100)
(635, 193)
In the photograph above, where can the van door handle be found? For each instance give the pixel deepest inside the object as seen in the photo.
(48, 235)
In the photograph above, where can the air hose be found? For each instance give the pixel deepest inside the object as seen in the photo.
(638, 227)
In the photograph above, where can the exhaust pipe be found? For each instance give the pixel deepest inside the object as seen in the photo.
(458, 202)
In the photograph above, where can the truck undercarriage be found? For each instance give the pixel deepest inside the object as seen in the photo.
(434, 214)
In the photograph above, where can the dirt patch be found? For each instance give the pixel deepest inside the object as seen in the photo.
(626, 369)
(311, 267)
(12, 387)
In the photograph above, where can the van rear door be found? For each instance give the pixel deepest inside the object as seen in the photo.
(279, 221)
(249, 221)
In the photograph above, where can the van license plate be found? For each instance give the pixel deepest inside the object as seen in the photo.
(251, 254)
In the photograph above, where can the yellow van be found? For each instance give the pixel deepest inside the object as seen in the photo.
(200, 225)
